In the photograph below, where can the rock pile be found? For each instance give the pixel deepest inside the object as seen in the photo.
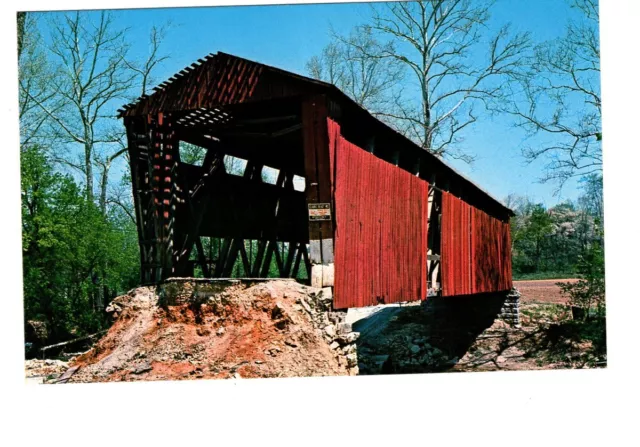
(331, 325)
(401, 353)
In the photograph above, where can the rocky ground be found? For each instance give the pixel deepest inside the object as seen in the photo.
(43, 371)
(285, 329)
(414, 339)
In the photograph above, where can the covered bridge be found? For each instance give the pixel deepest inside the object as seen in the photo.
(374, 215)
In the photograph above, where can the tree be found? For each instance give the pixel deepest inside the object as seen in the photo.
(70, 99)
(589, 291)
(65, 241)
(531, 231)
(346, 63)
(143, 75)
(21, 17)
(77, 249)
(592, 200)
(559, 97)
(437, 42)
(91, 75)
(34, 82)
(144, 69)
(558, 240)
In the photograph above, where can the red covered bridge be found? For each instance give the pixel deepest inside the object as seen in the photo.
(374, 215)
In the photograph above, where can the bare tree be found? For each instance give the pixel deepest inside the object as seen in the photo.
(34, 82)
(91, 75)
(329, 65)
(143, 76)
(437, 41)
(119, 194)
(560, 87)
(346, 63)
(105, 162)
(144, 69)
(592, 200)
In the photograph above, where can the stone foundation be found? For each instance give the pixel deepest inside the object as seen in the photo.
(510, 311)
(477, 310)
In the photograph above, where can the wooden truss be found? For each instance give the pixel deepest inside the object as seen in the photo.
(175, 207)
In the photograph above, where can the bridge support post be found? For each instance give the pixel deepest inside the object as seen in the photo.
(318, 190)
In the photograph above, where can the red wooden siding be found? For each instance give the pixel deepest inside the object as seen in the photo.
(475, 250)
(455, 246)
(381, 228)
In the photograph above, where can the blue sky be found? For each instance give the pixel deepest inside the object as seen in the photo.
(286, 36)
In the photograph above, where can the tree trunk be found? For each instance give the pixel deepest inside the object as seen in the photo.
(103, 188)
(22, 16)
(88, 165)
(100, 302)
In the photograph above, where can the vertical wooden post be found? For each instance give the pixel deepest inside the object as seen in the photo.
(434, 231)
(164, 169)
(318, 189)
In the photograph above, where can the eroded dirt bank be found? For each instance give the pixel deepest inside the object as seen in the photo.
(261, 330)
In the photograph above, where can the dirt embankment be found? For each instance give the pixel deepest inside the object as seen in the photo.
(280, 328)
(260, 330)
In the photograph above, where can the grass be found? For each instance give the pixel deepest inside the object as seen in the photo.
(543, 275)
(546, 312)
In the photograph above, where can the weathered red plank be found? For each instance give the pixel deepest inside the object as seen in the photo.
(475, 250)
(381, 229)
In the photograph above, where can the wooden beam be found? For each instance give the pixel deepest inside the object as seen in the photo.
(262, 245)
(318, 189)
(290, 257)
(202, 258)
(268, 152)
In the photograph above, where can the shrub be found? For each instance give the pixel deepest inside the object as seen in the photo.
(589, 292)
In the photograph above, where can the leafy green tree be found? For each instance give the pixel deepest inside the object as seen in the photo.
(530, 239)
(589, 291)
(65, 238)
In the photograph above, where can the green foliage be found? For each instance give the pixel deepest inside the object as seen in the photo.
(530, 239)
(538, 276)
(66, 242)
(192, 154)
(588, 337)
(589, 292)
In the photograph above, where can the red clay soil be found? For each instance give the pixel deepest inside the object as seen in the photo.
(257, 331)
(542, 291)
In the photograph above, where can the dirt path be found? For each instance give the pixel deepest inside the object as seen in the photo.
(542, 291)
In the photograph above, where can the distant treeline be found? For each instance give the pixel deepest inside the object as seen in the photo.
(549, 242)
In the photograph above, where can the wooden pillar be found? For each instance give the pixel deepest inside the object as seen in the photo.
(164, 170)
(318, 190)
